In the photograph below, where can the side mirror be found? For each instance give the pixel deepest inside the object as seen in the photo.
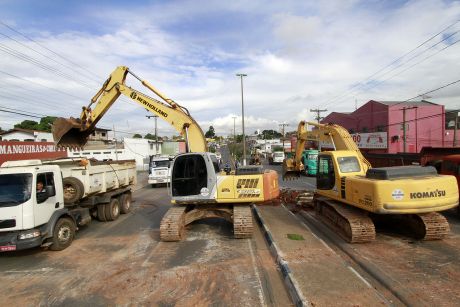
(41, 197)
(50, 190)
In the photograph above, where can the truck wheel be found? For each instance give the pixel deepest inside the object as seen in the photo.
(73, 189)
(63, 234)
(125, 203)
(101, 213)
(112, 210)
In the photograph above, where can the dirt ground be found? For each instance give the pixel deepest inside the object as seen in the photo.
(123, 263)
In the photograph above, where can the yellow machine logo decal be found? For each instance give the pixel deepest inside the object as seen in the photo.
(247, 193)
(246, 188)
(247, 183)
(436, 193)
(148, 104)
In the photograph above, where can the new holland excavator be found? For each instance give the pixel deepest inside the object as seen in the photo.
(349, 191)
(198, 188)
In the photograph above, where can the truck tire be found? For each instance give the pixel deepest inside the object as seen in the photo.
(125, 203)
(73, 190)
(101, 213)
(112, 210)
(63, 234)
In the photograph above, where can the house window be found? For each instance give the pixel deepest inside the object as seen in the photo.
(103, 134)
(380, 128)
(364, 129)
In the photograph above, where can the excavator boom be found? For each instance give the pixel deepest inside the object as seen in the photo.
(73, 132)
(329, 133)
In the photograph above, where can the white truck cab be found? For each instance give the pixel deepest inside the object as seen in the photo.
(159, 170)
(25, 210)
(44, 203)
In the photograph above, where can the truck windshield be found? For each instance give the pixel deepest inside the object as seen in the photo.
(163, 163)
(15, 189)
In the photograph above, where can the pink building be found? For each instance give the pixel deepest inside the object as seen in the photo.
(425, 124)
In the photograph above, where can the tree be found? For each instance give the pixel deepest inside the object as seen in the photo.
(45, 123)
(210, 133)
(137, 136)
(149, 136)
(1, 130)
(271, 134)
(27, 124)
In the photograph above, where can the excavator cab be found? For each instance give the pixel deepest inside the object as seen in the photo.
(193, 177)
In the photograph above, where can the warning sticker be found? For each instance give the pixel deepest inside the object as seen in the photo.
(397, 194)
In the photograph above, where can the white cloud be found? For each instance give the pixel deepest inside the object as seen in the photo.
(297, 56)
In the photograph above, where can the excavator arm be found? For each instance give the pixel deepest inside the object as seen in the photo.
(75, 132)
(328, 133)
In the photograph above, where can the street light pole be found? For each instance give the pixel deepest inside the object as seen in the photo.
(156, 135)
(242, 117)
(234, 131)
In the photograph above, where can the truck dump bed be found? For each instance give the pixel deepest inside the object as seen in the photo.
(98, 176)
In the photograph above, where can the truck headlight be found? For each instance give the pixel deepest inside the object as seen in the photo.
(29, 235)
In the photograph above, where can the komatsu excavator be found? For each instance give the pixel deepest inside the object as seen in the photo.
(198, 188)
(349, 190)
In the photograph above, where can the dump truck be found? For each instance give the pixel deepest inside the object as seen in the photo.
(43, 203)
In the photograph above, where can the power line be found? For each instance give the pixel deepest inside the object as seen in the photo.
(361, 83)
(46, 48)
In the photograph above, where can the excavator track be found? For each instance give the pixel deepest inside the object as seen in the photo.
(350, 223)
(242, 222)
(173, 223)
(428, 226)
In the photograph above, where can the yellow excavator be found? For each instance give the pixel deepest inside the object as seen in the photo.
(349, 190)
(199, 189)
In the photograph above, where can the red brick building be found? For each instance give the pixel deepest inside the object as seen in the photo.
(383, 121)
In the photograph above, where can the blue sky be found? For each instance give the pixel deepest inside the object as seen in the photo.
(298, 55)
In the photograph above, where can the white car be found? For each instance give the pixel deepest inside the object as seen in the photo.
(278, 157)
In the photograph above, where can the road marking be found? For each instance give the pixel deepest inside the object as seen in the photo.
(256, 272)
(360, 277)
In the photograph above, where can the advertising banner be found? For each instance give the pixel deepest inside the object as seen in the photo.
(374, 140)
(12, 151)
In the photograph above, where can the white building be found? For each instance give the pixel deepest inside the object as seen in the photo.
(137, 149)
(26, 135)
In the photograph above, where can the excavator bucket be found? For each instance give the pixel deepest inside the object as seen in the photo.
(67, 132)
(290, 171)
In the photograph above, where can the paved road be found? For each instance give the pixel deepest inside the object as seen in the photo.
(123, 262)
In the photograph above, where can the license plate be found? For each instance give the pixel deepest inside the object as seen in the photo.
(7, 248)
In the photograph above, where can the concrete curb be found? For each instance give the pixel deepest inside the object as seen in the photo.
(293, 288)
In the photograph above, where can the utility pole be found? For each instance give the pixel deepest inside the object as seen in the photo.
(156, 131)
(115, 138)
(242, 117)
(282, 129)
(405, 127)
(455, 130)
(318, 113)
(234, 131)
